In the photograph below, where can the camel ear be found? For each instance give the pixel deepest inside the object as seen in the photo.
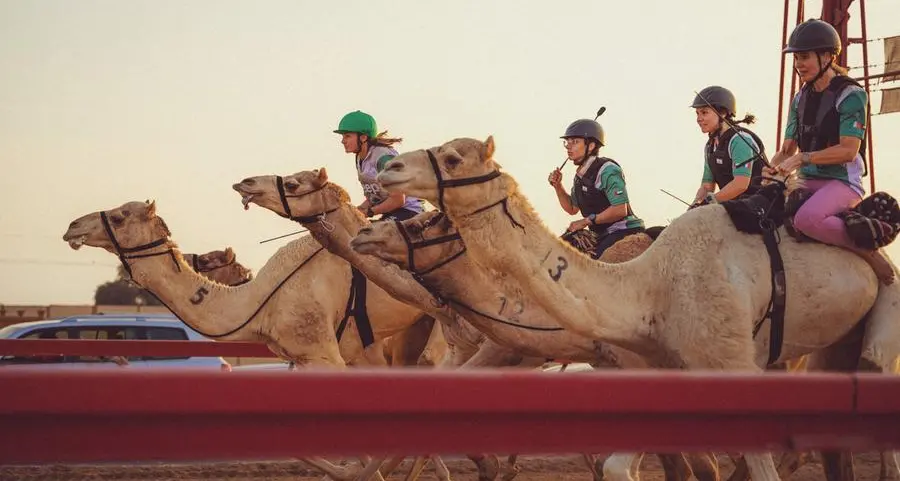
(151, 209)
(323, 175)
(229, 253)
(489, 147)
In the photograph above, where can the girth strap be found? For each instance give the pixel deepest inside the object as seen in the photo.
(356, 307)
(775, 312)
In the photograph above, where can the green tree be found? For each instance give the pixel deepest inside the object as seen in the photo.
(122, 292)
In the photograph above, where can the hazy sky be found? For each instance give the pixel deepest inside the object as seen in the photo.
(103, 102)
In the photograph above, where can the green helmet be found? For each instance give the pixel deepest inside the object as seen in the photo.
(358, 122)
(718, 97)
(814, 35)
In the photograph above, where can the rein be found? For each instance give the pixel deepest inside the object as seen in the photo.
(122, 253)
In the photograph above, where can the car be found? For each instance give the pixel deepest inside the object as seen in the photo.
(137, 326)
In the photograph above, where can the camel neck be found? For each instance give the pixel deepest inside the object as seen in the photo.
(335, 234)
(589, 297)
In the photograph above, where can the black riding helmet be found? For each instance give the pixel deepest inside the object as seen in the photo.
(718, 97)
(814, 35)
(586, 129)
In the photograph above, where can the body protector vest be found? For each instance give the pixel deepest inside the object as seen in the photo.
(721, 164)
(818, 119)
(590, 199)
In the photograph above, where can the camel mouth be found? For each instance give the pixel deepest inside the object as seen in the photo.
(246, 199)
(387, 181)
(75, 243)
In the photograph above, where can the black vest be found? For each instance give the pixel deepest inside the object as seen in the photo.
(818, 120)
(590, 199)
(721, 164)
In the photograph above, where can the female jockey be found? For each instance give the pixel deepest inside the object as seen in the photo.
(733, 155)
(598, 190)
(827, 124)
(359, 135)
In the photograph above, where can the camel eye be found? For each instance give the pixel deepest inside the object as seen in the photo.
(125, 213)
(452, 162)
(291, 185)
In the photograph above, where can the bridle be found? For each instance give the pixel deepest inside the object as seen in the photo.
(127, 253)
(418, 274)
(480, 179)
(123, 254)
(284, 196)
(412, 246)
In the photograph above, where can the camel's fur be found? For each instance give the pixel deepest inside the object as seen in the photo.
(486, 290)
(299, 321)
(690, 301)
(309, 193)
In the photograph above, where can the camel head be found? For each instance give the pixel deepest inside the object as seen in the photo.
(457, 173)
(134, 225)
(220, 266)
(385, 241)
(305, 193)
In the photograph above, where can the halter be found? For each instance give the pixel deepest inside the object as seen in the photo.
(123, 252)
(283, 196)
(123, 257)
(411, 245)
(444, 301)
(443, 184)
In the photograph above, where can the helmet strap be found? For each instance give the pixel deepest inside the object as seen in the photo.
(822, 68)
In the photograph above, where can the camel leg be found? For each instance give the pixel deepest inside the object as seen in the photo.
(416, 469)
(488, 466)
(436, 347)
(619, 466)
(440, 469)
(391, 465)
(591, 461)
(675, 467)
(335, 472)
(890, 465)
(370, 469)
(704, 466)
(512, 468)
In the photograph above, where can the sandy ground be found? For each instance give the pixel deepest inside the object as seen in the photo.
(534, 468)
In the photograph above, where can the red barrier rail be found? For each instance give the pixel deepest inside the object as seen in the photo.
(82, 416)
(114, 347)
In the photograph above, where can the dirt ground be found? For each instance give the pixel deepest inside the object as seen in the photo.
(533, 468)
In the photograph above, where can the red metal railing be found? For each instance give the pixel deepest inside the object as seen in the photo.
(124, 414)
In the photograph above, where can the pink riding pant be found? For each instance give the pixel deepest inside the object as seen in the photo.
(816, 217)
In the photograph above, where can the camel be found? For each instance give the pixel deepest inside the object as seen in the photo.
(273, 308)
(676, 304)
(429, 241)
(413, 346)
(220, 266)
(323, 208)
(332, 220)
